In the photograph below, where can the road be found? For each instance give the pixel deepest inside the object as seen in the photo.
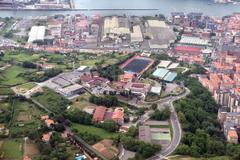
(176, 126)
(177, 131)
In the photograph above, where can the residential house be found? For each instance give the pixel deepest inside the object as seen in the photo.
(140, 89)
(99, 113)
(232, 136)
(118, 116)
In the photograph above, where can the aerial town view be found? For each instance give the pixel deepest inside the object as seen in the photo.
(124, 80)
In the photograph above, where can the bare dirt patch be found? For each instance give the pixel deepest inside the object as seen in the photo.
(31, 149)
(24, 117)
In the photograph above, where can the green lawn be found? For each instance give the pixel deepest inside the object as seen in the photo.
(52, 100)
(94, 130)
(20, 57)
(12, 149)
(106, 59)
(27, 114)
(5, 91)
(28, 86)
(5, 107)
(11, 76)
(159, 126)
(161, 136)
(81, 102)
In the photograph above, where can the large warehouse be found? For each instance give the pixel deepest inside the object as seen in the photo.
(115, 26)
(36, 33)
(161, 35)
(136, 35)
(194, 41)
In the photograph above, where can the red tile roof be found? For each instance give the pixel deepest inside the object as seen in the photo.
(138, 85)
(86, 78)
(188, 49)
(118, 114)
(99, 113)
(233, 134)
(49, 122)
(215, 78)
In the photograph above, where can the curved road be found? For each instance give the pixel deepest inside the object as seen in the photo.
(177, 131)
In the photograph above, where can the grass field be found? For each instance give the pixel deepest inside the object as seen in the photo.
(28, 86)
(161, 136)
(5, 90)
(5, 107)
(12, 149)
(11, 76)
(159, 126)
(25, 114)
(62, 61)
(94, 130)
(81, 102)
(53, 101)
(88, 60)
(20, 57)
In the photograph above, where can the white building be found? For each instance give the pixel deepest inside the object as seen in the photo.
(115, 26)
(136, 35)
(36, 33)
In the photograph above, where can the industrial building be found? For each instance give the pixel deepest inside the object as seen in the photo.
(115, 26)
(160, 73)
(160, 34)
(36, 33)
(72, 90)
(194, 41)
(164, 64)
(136, 35)
(164, 74)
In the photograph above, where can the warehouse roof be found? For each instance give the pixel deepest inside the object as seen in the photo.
(173, 65)
(69, 89)
(156, 23)
(36, 33)
(156, 90)
(193, 41)
(136, 35)
(160, 73)
(164, 64)
(188, 49)
(170, 76)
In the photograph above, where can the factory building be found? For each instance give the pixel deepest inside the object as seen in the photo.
(36, 33)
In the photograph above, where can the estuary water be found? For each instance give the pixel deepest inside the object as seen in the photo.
(137, 7)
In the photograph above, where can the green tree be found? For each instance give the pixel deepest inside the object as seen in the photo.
(161, 115)
(154, 106)
(109, 125)
(132, 131)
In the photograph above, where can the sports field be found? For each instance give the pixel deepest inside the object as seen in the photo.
(161, 136)
(137, 64)
(12, 149)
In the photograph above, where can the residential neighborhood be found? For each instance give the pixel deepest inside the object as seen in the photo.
(118, 86)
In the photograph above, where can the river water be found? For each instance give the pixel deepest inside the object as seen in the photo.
(208, 7)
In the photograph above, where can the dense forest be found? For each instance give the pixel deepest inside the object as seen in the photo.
(202, 134)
